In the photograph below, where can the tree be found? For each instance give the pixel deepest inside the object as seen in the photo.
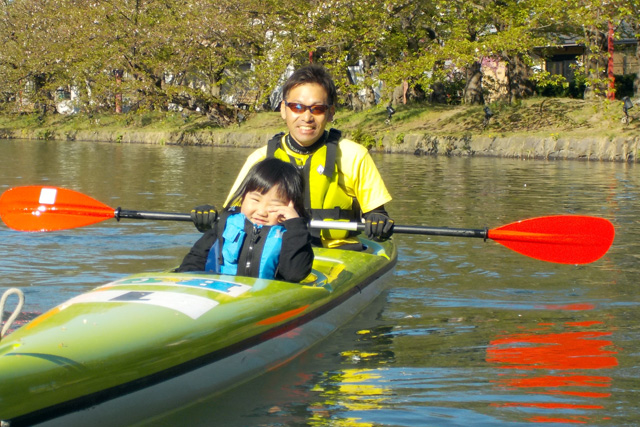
(194, 53)
(590, 21)
(632, 18)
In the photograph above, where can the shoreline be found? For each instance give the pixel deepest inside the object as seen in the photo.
(598, 148)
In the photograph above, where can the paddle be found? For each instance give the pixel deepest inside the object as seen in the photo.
(566, 239)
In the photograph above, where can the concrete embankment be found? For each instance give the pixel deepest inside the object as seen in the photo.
(624, 149)
(621, 149)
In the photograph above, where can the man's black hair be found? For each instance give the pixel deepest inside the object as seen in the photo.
(312, 73)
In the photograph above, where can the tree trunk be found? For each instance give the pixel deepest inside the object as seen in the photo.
(438, 94)
(362, 81)
(519, 86)
(118, 93)
(438, 91)
(415, 94)
(636, 80)
(368, 95)
(611, 93)
(473, 89)
(596, 64)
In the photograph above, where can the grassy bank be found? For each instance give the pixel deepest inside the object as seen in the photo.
(541, 117)
(536, 117)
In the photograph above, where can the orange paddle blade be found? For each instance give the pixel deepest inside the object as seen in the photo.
(566, 239)
(39, 208)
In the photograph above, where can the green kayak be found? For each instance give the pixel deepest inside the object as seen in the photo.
(150, 343)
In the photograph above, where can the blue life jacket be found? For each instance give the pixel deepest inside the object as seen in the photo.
(241, 237)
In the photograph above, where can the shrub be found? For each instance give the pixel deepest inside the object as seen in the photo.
(365, 139)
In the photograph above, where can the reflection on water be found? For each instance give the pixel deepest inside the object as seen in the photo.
(354, 391)
(469, 332)
(559, 367)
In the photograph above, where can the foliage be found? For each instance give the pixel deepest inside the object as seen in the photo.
(363, 138)
(192, 54)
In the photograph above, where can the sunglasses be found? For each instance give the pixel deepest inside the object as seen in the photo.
(316, 110)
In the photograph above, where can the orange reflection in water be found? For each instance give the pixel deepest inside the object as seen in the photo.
(533, 359)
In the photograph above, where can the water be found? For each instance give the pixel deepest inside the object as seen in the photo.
(469, 332)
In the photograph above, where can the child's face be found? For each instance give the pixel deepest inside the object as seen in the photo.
(265, 209)
(304, 127)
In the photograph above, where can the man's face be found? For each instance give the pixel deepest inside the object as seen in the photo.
(305, 127)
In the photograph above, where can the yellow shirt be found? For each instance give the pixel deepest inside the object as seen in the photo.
(358, 176)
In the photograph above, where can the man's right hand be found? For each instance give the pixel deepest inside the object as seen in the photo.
(204, 217)
(378, 225)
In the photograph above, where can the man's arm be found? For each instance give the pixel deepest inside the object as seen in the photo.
(360, 176)
(255, 157)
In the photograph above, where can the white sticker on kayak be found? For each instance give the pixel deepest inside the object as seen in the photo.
(48, 196)
(190, 305)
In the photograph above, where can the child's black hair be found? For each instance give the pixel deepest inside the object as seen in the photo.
(269, 173)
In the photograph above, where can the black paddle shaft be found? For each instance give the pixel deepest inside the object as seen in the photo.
(402, 229)
(406, 229)
(441, 231)
(166, 216)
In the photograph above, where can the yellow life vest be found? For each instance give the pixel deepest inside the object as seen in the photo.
(324, 199)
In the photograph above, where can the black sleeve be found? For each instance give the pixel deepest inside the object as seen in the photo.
(196, 259)
(296, 255)
(380, 209)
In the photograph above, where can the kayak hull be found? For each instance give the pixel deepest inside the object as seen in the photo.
(151, 343)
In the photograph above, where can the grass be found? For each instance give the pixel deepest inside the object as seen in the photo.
(532, 117)
(561, 117)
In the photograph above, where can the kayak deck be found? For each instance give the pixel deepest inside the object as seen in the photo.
(135, 347)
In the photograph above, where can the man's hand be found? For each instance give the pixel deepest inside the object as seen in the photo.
(204, 217)
(378, 225)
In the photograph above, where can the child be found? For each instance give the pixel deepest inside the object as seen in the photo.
(266, 236)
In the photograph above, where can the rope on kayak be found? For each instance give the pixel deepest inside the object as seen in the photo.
(16, 311)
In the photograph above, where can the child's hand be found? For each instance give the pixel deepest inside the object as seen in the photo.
(283, 213)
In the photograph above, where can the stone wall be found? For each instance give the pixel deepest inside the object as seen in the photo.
(622, 149)
(626, 149)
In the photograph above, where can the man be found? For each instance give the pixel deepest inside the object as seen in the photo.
(341, 178)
